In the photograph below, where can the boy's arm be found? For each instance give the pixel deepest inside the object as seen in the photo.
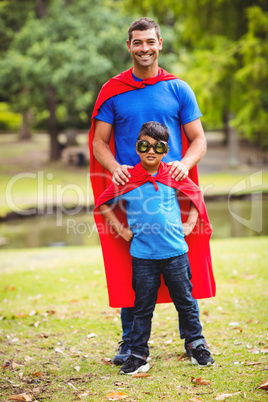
(109, 214)
(191, 221)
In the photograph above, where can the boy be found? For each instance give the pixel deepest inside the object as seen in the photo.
(156, 233)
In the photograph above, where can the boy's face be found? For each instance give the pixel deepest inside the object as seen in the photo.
(150, 159)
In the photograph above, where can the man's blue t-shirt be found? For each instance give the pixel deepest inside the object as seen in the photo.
(155, 220)
(171, 103)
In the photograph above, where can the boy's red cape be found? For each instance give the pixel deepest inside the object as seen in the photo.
(119, 272)
(116, 255)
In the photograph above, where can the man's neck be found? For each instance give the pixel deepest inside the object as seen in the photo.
(145, 73)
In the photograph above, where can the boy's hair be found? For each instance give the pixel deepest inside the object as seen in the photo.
(143, 24)
(155, 130)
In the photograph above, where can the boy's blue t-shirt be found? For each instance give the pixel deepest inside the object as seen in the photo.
(171, 103)
(155, 220)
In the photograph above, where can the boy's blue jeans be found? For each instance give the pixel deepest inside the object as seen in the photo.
(127, 322)
(146, 281)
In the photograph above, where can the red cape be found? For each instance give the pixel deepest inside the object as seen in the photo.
(123, 82)
(119, 275)
(114, 251)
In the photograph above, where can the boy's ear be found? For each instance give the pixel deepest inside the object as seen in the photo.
(167, 151)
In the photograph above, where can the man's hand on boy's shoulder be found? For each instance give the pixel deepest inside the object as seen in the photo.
(121, 174)
(178, 170)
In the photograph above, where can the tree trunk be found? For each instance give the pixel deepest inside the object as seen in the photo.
(226, 127)
(232, 144)
(25, 129)
(41, 8)
(52, 125)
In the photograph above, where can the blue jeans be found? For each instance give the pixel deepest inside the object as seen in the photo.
(145, 282)
(127, 322)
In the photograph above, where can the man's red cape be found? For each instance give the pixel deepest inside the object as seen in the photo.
(116, 251)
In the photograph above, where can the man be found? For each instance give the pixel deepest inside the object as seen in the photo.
(144, 93)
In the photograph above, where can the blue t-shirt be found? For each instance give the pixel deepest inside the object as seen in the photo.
(155, 220)
(171, 103)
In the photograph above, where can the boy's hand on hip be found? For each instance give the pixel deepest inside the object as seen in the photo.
(126, 233)
(121, 174)
(178, 170)
(187, 228)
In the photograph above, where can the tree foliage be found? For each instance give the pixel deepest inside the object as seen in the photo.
(57, 58)
(56, 63)
(222, 53)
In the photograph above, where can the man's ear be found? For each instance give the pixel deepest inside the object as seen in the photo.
(128, 45)
(160, 43)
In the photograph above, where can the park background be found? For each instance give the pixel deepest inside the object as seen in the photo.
(57, 332)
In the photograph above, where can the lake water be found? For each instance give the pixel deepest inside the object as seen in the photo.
(239, 218)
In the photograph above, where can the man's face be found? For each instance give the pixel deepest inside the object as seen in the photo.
(144, 48)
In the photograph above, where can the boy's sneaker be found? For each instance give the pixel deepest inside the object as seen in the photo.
(134, 365)
(123, 353)
(201, 356)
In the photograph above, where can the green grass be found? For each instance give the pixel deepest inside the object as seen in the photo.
(53, 298)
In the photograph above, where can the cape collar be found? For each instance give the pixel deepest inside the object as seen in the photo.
(126, 77)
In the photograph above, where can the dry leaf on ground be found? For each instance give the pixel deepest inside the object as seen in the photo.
(77, 368)
(37, 374)
(107, 360)
(182, 357)
(139, 375)
(20, 397)
(196, 400)
(14, 365)
(222, 397)
(28, 358)
(51, 312)
(59, 350)
(252, 363)
(265, 349)
(84, 394)
(254, 351)
(264, 385)
(114, 396)
(91, 335)
(119, 383)
(71, 385)
(199, 381)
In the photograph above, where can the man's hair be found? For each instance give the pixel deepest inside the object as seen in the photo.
(143, 24)
(155, 130)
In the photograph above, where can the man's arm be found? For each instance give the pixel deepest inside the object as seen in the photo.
(197, 149)
(109, 214)
(104, 155)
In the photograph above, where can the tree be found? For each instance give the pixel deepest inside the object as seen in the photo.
(252, 118)
(59, 59)
(12, 17)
